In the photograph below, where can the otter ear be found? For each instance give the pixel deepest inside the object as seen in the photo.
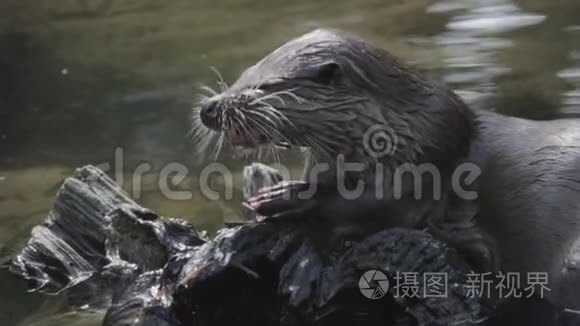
(327, 73)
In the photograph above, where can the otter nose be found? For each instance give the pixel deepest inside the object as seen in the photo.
(209, 113)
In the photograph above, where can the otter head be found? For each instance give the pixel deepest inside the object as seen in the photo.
(326, 91)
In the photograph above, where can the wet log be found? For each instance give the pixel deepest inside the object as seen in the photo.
(101, 250)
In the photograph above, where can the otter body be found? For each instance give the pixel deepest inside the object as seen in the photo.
(529, 197)
(326, 90)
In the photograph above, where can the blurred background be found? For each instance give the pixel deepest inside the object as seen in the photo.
(82, 78)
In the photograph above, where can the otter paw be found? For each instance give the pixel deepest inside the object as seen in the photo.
(286, 200)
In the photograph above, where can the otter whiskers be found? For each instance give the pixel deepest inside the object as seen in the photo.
(221, 83)
(208, 89)
(203, 136)
(277, 96)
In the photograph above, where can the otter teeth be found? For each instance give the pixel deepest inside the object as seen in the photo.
(284, 145)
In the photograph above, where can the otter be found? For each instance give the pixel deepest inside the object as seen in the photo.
(325, 90)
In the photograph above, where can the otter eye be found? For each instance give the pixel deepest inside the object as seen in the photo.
(328, 73)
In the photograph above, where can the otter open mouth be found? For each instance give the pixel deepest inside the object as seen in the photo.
(238, 138)
(235, 137)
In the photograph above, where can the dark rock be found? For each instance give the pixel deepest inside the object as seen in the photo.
(99, 248)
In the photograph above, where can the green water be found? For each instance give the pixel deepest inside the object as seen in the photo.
(82, 79)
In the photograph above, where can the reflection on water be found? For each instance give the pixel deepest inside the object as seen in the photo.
(571, 98)
(492, 17)
(473, 39)
(76, 84)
